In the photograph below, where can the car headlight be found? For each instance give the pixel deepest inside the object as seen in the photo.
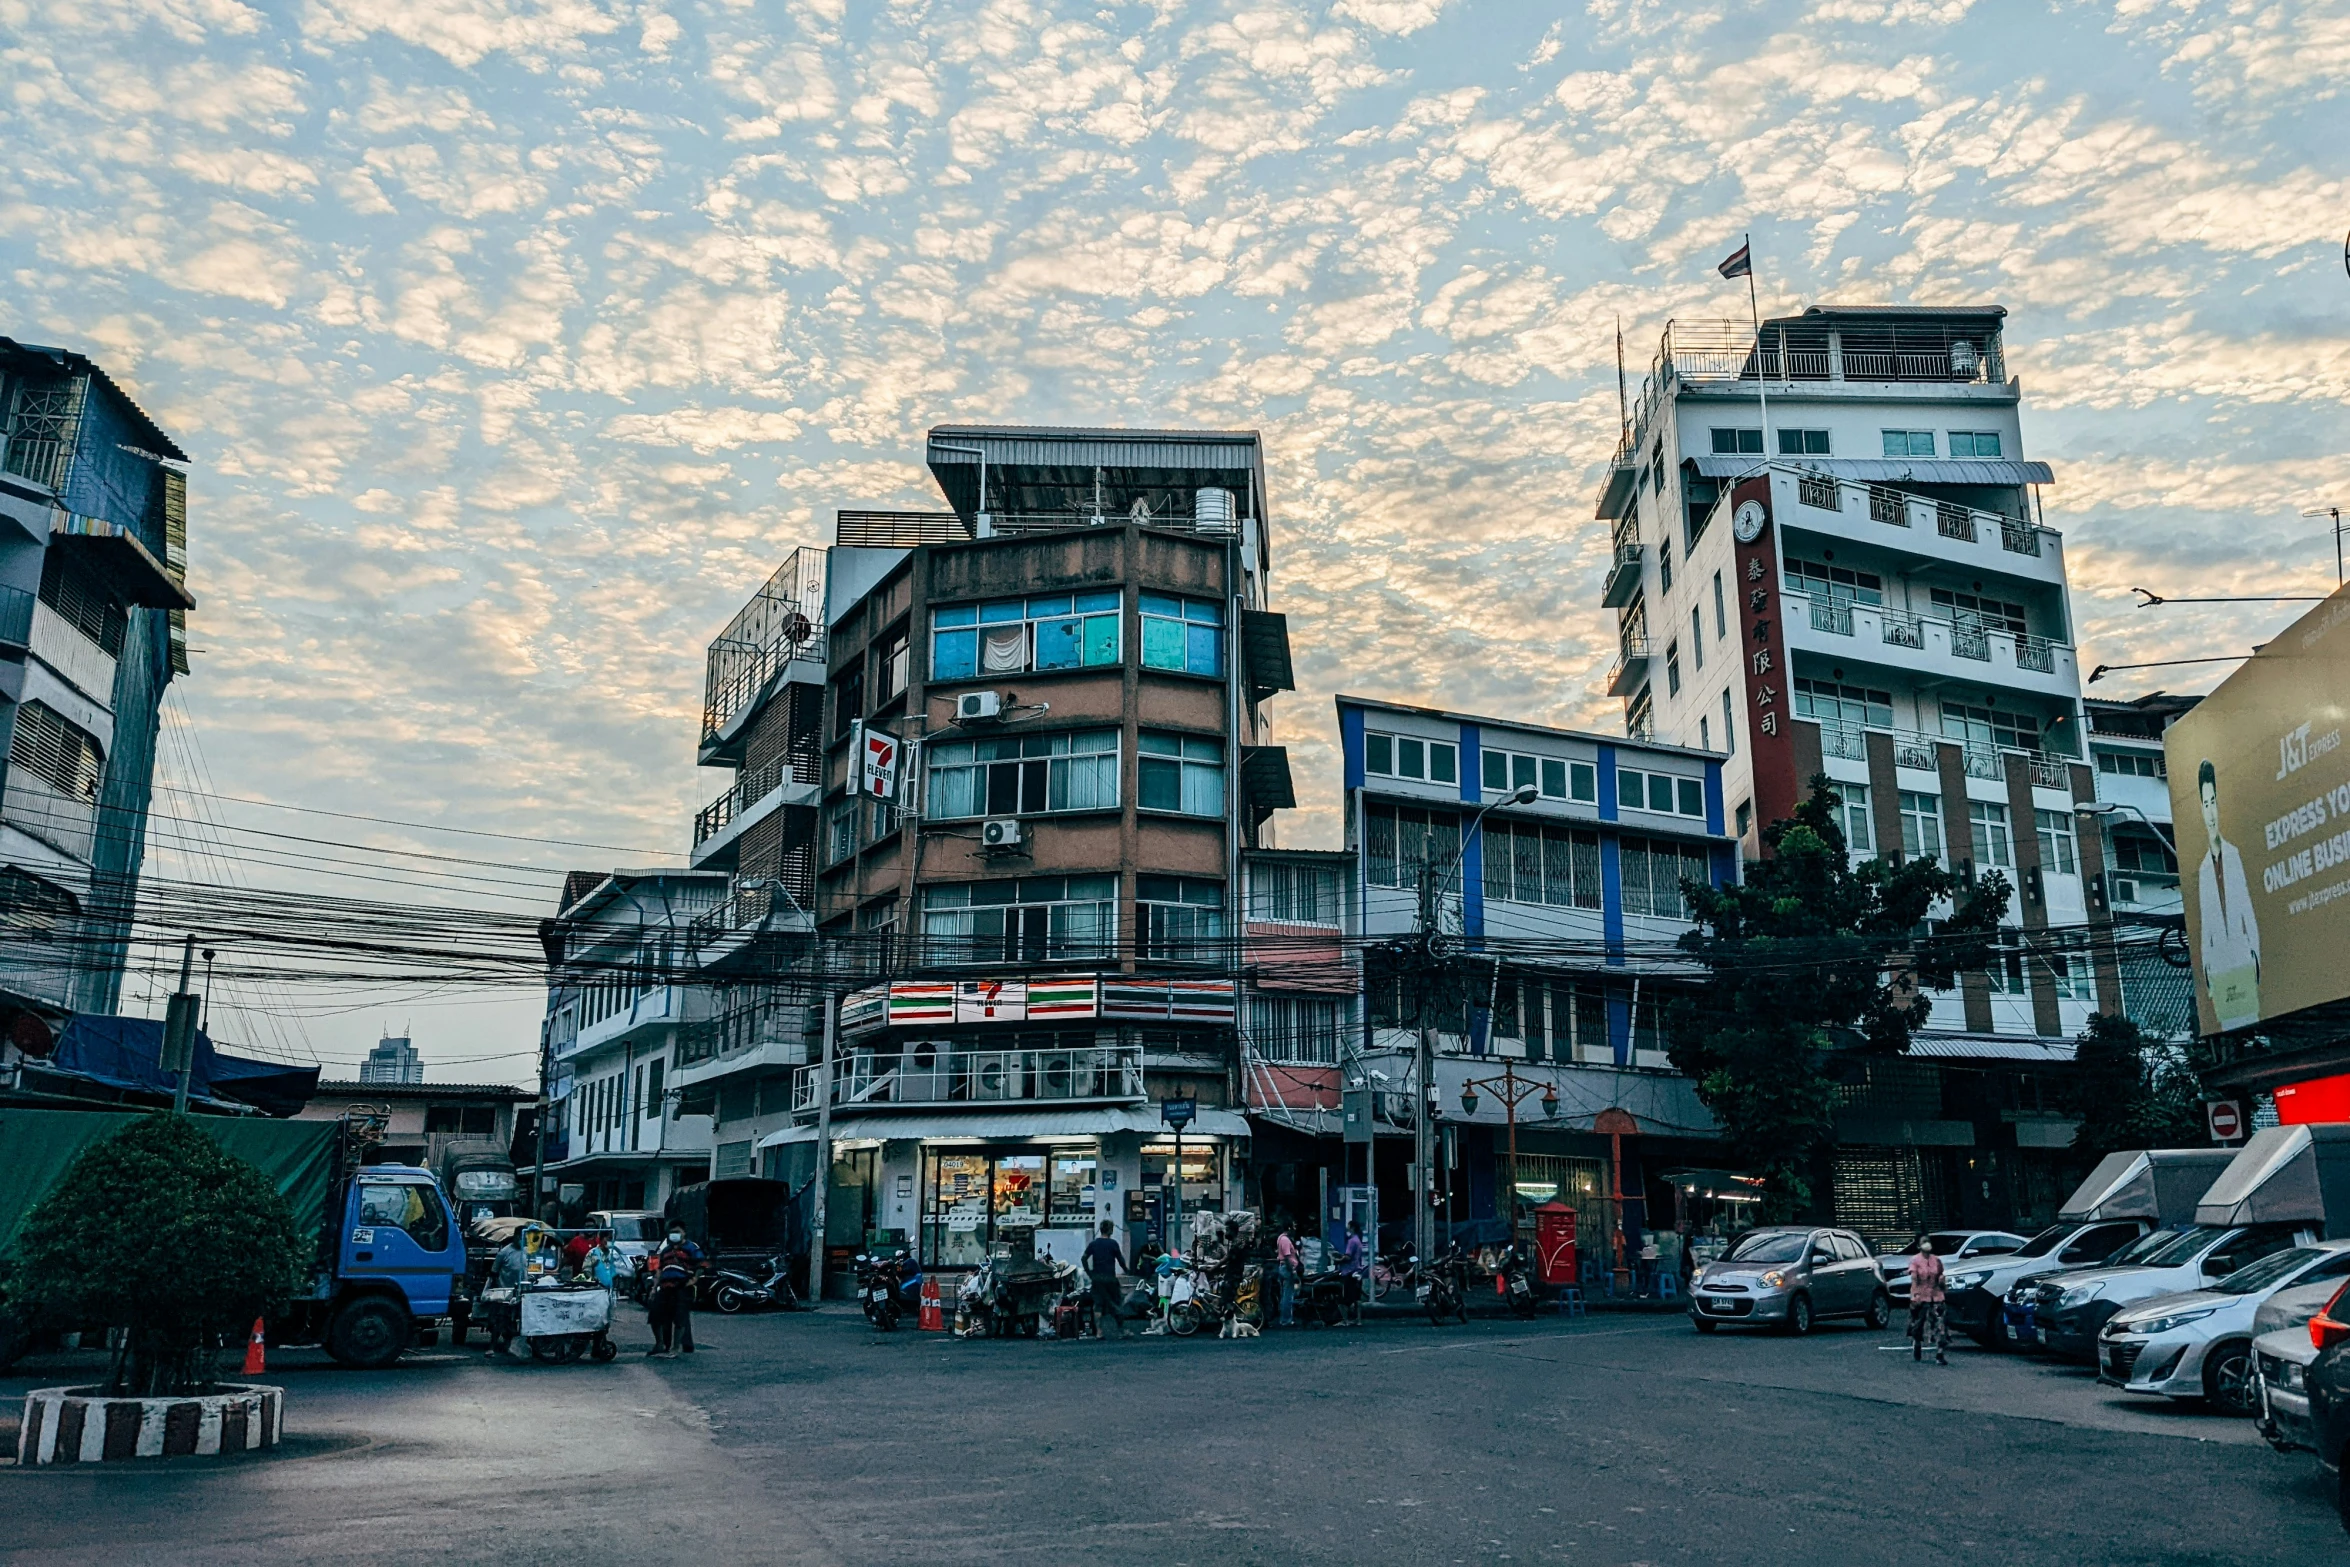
(1969, 1279)
(2080, 1293)
(2176, 1319)
(1774, 1280)
(2288, 1376)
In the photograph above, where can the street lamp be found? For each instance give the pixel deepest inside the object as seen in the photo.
(1513, 1091)
(2116, 807)
(1423, 1215)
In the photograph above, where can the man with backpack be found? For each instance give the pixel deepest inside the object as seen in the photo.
(671, 1314)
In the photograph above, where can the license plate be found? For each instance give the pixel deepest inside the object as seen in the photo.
(1421, 1293)
(880, 1295)
(1714, 1305)
(1519, 1287)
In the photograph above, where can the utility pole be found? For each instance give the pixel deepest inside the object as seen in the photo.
(538, 1158)
(821, 1215)
(1423, 1072)
(179, 1030)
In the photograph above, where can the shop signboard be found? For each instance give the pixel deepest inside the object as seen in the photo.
(877, 764)
(1063, 999)
(991, 1001)
(915, 1002)
(1178, 1113)
(2260, 792)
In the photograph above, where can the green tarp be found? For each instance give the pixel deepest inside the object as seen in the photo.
(37, 1147)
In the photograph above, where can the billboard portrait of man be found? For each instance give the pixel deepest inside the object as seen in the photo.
(2231, 936)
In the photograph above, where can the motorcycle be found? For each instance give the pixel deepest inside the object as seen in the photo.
(886, 1287)
(1510, 1278)
(733, 1291)
(1444, 1286)
(1328, 1295)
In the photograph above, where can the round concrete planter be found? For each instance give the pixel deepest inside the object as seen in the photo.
(81, 1425)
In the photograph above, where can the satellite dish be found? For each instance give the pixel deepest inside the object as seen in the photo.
(797, 628)
(30, 1034)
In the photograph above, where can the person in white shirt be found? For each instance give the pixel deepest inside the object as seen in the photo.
(2230, 935)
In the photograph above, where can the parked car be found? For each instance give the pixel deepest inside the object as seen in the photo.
(636, 1235)
(1790, 1277)
(2282, 1352)
(2328, 1383)
(2197, 1344)
(1952, 1246)
(1977, 1292)
(2066, 1311)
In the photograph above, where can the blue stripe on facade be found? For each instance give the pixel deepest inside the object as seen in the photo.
(1607, 783)
(1713, 798)
(1611, 896)
(1619, 1027)
(1350, 744)
(1472, 764)
(1725, 864)
(1473, 851)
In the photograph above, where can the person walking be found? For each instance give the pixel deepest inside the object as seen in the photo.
(1352, 1264)
(1103, 1261)
(672, 1311)
(1928, 1307)
(604, 1263)
(1286, 1272)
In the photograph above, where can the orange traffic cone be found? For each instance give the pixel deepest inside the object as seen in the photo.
(256, 1361)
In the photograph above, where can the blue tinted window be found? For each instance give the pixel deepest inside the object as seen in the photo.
(1162, 604)
(1109, 600)
(996, 614)
(957, 615)
(954, 655)
(1059, 643)
(1204, 654)
(1039, 608)
(1206, 612)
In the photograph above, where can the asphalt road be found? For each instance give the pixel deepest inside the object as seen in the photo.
(1616, 1439)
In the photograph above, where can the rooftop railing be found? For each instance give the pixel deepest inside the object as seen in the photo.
(783, 621)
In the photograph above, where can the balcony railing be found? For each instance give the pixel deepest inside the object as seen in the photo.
(742, 1029)
(1954, 522)
(745, 907)
(1631, 664)
(1970, 641)
(1832, 615)
(783, 621)
(1888, 506)
(1915, 749)
(806, 766)
(2036, 653)
(1901, 630)
(1819, 491)
(929, 1074)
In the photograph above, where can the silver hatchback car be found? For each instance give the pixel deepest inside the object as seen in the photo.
(1789, 1277)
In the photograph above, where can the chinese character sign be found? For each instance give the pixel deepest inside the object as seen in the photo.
(1763, 681)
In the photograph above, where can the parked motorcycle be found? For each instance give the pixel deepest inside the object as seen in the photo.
(1444, 1286)
(733, 1290)
(887, 1286)
(1513, 1278)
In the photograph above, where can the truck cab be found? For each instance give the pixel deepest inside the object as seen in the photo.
(398, 1260)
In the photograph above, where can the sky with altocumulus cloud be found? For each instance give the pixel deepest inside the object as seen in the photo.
(517, 340)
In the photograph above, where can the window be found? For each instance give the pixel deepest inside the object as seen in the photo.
(1974, 443)
(1837, 582)
(82, 602)
(1025, 775)
(1026, 921)
(1664, 566)
(1528, 863)
(1013, 636)
(1638, 791)
(461, 1120)
(1656, 467)
(891, 668)
(1070, 1202)
(1734, 442)
(1408, 756)
(2056, 842)
(1721, 616)
(1287, 893)
(1989, 825)
(1745, 817)
(415, 1210)
(31, 909)
(1909, 443)
(1921, 824)
(653, 1106)
(1988, 726)
(56, 752)
(1400, 841)
(2131, 764)
(1672, 669)
(2143, 855)
(1179, 917)
(2069, 973)
(1557, 778)
(1729, 730)
(1653, 870)
(1182, 634)
(1803, 443)
(1705, 734)
(848, 701)
(1180, 773)
(1853, 816)
(1696, 639)
(1972, 609)
(1302, 1030)
(1849, 706)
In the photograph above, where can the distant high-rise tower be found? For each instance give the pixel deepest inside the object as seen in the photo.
(393, 1060)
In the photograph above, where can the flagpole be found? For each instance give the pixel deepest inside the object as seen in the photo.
(1754, 314)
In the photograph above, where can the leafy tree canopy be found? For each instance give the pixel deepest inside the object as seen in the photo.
(1810, 957)
(160, 1232)
(2131, 1092)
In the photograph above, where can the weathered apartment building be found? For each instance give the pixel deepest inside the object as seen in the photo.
(93, 551)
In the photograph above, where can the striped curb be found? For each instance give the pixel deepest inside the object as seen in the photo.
(69, 1425)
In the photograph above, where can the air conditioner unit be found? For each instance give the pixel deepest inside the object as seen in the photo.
(2124, 891)
(1003, 832)
(978, 707)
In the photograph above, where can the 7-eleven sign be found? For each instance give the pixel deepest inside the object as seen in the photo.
(877, 765)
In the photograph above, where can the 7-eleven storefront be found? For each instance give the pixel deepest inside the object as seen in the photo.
(964, 1110)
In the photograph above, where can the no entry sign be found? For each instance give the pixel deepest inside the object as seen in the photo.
(2227, 1120)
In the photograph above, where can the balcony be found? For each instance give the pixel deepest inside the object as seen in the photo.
(1979, 540)
(774, 1031)
(802, 767)
(751, 907)
(928, 1075)
(1623, 575)
(1630, 669)
(783, 624)
(1922, 752)
(1931, 646)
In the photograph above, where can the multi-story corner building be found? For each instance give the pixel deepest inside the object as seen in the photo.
(1828, 558)
(621, 1132)
(1006, 760)
(1300, 1024)
(93, 539)
(1570, 907)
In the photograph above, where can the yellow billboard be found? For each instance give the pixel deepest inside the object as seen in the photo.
(2260, 798)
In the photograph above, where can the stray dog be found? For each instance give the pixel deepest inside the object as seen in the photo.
(1235, 1328)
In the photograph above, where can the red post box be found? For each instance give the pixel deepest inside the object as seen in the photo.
(1554, 1243)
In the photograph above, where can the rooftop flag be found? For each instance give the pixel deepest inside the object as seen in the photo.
(1740, 263)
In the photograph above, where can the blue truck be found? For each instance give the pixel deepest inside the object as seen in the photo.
(390, 1265)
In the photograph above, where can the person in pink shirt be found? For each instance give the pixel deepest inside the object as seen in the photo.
(1928, 1307)
(1286, 1272)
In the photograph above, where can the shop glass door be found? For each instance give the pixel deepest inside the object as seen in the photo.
(955, 1211)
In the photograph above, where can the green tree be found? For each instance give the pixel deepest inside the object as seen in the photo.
(161, 1233)
(1808, 958)
(2131, 1092)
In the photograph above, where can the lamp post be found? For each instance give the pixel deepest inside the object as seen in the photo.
(1512, 1090)
(1423, 1151)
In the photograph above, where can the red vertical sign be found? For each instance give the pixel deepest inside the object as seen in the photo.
(1762, 653)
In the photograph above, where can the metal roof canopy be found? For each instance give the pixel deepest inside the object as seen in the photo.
(2286, 1174)
(1038, 471)
(159, 444)
(1880, 470)
(2162, 1184)
(997, 1125)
